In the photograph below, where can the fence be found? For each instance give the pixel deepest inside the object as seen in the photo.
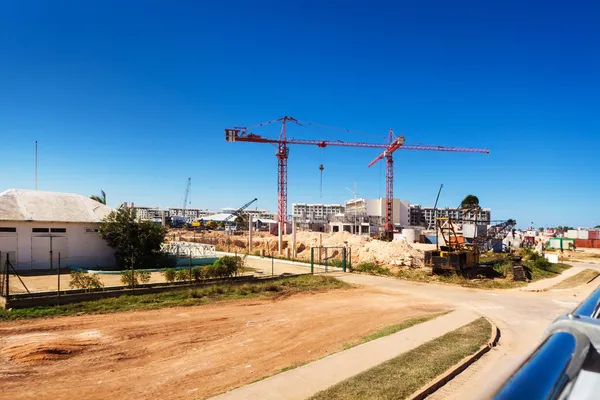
(327, 259)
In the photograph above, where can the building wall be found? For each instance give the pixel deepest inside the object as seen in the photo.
(419, 215)
(78, 245)
(316, 212)
(378, 208)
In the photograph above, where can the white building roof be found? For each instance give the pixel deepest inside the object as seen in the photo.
(35, 205)
(218, 217)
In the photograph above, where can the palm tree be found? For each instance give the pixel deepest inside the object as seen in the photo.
(101, 198)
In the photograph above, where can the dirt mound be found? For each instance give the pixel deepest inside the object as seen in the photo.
(43, 347)
(363, 248)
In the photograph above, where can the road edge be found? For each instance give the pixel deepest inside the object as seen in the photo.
(456, 369)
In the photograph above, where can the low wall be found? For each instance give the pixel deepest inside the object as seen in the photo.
(23, 300)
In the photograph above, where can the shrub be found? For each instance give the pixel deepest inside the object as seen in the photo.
(540, 263)
(169, 274)
(82, 280)
(371, 268)
(182, 275)
(198, 274)
(143, 275)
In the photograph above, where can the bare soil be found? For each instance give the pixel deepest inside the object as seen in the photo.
(364, 248)
(192, 352)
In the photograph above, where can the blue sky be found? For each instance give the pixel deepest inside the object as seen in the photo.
(132, 97)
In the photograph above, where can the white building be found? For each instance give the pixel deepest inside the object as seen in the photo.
(37, 226)
(153, 214)
(425, 216)
(315, 212)
(190, 214)
(378, 208)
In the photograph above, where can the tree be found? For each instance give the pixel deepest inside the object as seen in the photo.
(101, 198)
(470, 202)
(136, 243)
(597, 227)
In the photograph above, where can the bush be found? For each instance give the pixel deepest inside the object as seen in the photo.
(82, 280)
(143, 275)
(138, 276)
(540, 263)
(169, 274)
(182, 275)
(198, 274)
(371, 268)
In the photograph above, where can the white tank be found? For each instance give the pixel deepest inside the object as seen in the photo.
(411, 234)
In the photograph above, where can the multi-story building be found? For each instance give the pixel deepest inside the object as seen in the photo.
(425, 216)
(367, 216)
(153, 214)
(316, 212)
(190, 214)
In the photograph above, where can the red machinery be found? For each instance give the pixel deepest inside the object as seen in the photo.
(241, 134)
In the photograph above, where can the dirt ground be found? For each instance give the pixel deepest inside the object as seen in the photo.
(363, 248)
(192, 352)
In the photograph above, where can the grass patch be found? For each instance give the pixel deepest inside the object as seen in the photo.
(576, 280)
(183, 297)
(389, 330)
(399, 377)
(548, 271)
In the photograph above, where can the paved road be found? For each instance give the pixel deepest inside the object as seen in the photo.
(521, 316)
(305, 381)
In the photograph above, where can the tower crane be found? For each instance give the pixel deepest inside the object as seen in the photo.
(243, 134)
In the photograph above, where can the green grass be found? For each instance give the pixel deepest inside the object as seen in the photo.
(399, 377)
(549, 271)
(577, 280)
(389, 330)
(183, 297)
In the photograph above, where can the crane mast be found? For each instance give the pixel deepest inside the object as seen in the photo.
(187, 194)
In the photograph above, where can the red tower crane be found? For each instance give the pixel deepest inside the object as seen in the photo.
(242, 134)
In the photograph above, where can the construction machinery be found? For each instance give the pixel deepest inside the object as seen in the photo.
(243, 134)
(459, 254)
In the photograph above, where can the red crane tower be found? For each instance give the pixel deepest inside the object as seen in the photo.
(242, 134)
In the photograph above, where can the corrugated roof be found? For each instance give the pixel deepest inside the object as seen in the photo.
(35, 205)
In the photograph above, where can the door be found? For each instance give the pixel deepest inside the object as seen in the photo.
(40, 251)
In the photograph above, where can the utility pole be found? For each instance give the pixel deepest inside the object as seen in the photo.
(36, 165)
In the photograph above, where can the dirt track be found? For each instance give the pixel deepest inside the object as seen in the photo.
(192, 352)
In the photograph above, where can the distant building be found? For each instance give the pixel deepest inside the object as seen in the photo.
(315, 212)
(425, 216)
(190, 214)
(153, 214)
(367, 216)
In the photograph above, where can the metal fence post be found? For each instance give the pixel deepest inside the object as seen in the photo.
(326, 260)
(7, 275)
(350, 259)
(312, 260)
(190, 268)
(58, 275)
(344, 259)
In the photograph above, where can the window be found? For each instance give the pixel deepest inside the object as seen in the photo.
(39, 230)
(6, 229)
(58, 230)
(91, 230)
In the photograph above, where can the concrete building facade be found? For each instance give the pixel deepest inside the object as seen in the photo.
(315, 212)
(37, 226)
(425, 216)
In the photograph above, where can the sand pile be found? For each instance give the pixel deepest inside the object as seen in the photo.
(364, 249)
